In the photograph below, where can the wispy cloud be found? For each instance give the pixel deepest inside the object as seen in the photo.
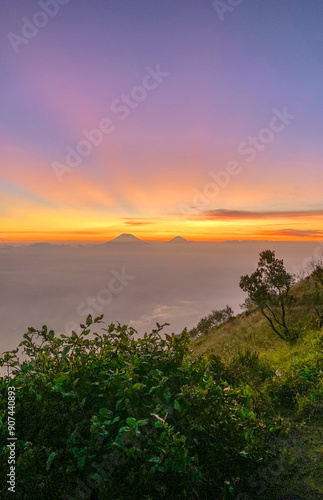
(297, 232)
(224, 214)
(137, 222)
(165, 313)
(58, 233)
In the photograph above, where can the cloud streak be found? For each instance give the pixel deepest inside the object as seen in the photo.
(298, 232)
(224, 214)
(137, 222)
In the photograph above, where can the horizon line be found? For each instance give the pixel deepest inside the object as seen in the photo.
(185, 240)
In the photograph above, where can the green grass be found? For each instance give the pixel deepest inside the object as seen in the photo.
(241, 333)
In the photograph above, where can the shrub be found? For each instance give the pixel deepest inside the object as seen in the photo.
(105, 415)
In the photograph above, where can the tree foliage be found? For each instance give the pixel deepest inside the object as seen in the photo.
(268, 289)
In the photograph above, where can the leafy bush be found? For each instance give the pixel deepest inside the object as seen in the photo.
(110, 416)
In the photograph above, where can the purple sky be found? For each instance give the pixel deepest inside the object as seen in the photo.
(224, 80)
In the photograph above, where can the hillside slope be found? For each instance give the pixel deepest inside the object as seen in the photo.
(250, 330)
(291, 375)
(242, 332)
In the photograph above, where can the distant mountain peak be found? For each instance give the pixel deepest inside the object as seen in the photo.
(126, 238)
(178, 239)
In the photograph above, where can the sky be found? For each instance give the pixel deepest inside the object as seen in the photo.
(187, 117)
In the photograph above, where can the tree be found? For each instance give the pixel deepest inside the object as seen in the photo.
(219, 317)
(214, 319)
(268, 289)
(315, 269)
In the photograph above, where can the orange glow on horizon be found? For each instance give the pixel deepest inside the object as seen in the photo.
(92, 237)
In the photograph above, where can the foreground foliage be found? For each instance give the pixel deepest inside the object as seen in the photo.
(110, 416)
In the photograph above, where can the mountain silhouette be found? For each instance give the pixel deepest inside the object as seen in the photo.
(126, 239)
(178, 239)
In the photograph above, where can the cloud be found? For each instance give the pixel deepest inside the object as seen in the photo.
(224, 214)
(164, 313)
(58, 233)
(137, 222)
(297, 232)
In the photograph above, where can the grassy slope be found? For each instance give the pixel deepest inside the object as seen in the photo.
(303, 449)
(246, 332)
(242, 332)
